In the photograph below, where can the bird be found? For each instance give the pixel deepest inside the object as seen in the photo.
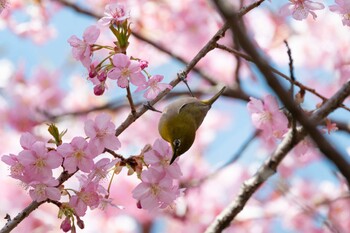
(181, 119)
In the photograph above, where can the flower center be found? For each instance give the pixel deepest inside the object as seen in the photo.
(125, 72)
(78, 154)
(40, 163)
(154, 190)
(265, 117)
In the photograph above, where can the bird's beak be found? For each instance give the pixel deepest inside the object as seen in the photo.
(173, 158)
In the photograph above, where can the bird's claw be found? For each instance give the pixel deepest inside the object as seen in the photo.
(150, 107)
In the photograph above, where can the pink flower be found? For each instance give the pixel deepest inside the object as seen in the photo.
(267, 116)
(27, 140)
(82, 48)
(114, 14)
(300, 9)
(154, 87)
(38, 162)
(102, 133)
(343, 8)
(45, 190)
(124, 69)
(87, 196)
(101, 169)
(17, 169)
(155, 191)
(77, 155)
(106, 202)
(159, 158)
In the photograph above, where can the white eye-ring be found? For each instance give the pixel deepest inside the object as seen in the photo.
(177, 143)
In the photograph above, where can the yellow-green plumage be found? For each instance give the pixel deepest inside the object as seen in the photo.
(180, 121)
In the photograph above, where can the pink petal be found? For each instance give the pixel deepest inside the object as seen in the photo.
(255, 105)
(123, 82)
(149, 203)
(314, 5)
(138, 79)
(91, 34)
(53, 193)
(271, 104)
(89, 128)
(114, 73)
(120, 60)
(102, 121)
(74, 41)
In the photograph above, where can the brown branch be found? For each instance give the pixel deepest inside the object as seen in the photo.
(269, 167)
(294, 82)
(210, 45)
(10, 225)
(234, 92)
(131, 101)
(310, 126)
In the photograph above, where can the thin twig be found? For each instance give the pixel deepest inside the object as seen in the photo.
(269, 167)
(210, 45)
(131, 102)
(292, 77)
(295, 82)
(325, 147)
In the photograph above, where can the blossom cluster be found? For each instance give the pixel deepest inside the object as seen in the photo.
(158, 189)
(120, 67)
(34, 166)
(300, 9)
(273, 123)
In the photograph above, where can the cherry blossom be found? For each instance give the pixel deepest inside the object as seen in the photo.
(342, 7)
(77, 155)
(87, 196)
(16, 169)
(300, 9)
(155, 191)
(154, 87)
(102, 133)
(125, 68)
(267, 116)
(81, 49)
(159, 157)
(114, 14)
(45, 190)
(38, 162)
(27, 140)
(101, 169)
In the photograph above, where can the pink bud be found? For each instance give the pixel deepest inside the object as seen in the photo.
(66, 225)
(138, 205)
(99, 89)
(80, 223)
(143, 64)
(102, 76)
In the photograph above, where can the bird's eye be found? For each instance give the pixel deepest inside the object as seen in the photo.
(177, 143)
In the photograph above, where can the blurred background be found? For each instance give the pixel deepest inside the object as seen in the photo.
(40, 82)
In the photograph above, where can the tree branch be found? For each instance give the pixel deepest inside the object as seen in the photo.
(269, 167)
(309, 125)
(210, 45)
(294, 82)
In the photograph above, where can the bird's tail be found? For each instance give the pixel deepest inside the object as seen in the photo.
(214, 98)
